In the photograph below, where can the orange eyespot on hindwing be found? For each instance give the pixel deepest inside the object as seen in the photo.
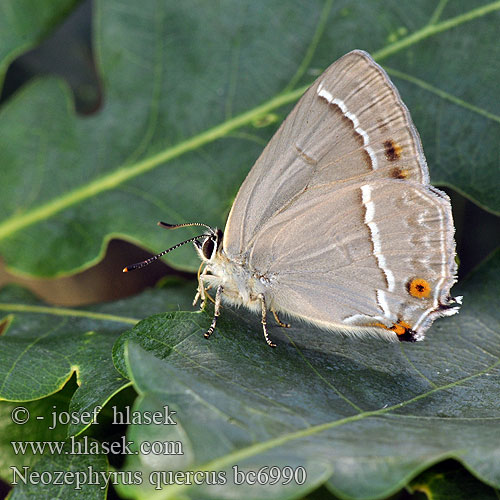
(402, 329)
(392, 150)
(404, 332)
(419, 288)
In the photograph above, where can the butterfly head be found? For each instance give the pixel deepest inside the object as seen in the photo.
(209, 244)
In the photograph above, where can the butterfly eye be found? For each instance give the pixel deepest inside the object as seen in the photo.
(208, 248)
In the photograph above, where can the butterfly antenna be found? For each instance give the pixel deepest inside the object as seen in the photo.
(186, 224)
(146, 262)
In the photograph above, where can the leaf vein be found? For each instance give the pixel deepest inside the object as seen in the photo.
(124, 173)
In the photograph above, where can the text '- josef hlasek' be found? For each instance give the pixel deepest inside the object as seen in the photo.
(21, 415)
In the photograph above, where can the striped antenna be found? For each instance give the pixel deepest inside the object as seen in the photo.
(146, 262)
(186, 224)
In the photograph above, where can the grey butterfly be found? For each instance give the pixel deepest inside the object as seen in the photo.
(337, 223)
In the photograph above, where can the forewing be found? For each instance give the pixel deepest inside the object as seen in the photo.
(349, 127)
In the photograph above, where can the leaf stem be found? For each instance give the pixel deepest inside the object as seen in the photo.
(60, 311)
(432, 29)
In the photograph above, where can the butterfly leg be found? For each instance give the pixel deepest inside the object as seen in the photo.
(264, 320)
(201, 289)
(283, 325)
(200, 293)
(216, 312)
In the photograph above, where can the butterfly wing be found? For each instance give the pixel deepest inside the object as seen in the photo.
(349, 126)
(339, 214)
(376, 254)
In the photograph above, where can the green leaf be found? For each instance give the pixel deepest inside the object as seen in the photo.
(449, 480)
(35, 429)
(44, 345)
(364, 416)
(187, 86)
(23, 23)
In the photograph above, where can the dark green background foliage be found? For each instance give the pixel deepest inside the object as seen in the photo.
(190, 92)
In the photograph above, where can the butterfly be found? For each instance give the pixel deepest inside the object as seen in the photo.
(337, 223)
